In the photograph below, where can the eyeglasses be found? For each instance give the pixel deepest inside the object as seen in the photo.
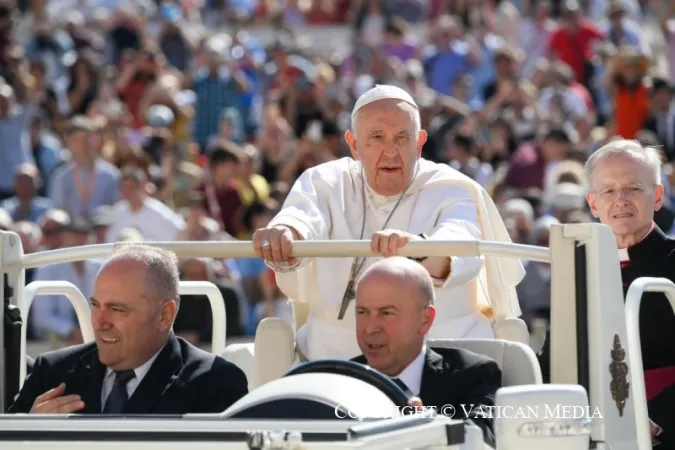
(632, 190)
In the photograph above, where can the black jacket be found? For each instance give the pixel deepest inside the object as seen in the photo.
(460, 378)
(183, 379)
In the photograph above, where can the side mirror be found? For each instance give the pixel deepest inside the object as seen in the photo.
(554, 417)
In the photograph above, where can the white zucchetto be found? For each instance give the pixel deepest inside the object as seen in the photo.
(383, 92)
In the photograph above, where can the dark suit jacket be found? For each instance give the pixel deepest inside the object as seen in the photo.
(183, 379)
(654, 256)
(461, 378)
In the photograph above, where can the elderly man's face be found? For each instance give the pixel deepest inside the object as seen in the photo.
(391, 322)
(624, 196)
(129, 326)
(387, 144)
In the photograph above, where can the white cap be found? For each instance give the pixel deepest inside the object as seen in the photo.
(519, 205)
(383, 92)
(567, 196)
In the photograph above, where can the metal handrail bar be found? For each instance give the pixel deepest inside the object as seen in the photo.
(331, 249)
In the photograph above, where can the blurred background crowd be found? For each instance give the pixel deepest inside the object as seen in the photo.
(153, 120)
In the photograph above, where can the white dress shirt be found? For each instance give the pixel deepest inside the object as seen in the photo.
(326, 203)
(155, 221)
(411, 376)
(140, 372)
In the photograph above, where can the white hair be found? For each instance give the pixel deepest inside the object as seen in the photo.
(647, 156)
(161, 265)
(416, 118)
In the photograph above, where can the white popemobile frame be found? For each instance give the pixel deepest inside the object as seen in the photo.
(591, 330)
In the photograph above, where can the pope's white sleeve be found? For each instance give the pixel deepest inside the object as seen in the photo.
(458, 220)
(306, 211)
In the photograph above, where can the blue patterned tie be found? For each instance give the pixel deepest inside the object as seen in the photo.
(118, 396)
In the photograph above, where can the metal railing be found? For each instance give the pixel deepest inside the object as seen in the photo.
(42, 288)
(637, 379)
(327, 249)
(218, 313)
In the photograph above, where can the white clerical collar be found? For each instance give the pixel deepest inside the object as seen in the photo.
(379, 199)
(623, 255)
(412, 375)
(142, 370)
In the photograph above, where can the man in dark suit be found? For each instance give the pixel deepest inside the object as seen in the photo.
(625, 191)
(394, 312)
(136, 365)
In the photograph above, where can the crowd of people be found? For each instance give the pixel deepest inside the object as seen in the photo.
(145, 121)
(176, 121)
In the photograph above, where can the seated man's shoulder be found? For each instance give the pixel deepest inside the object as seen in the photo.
(203, 363)
(64, 356)
(460, 358)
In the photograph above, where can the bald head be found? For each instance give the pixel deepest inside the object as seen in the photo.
(394, 312)
(404, 273)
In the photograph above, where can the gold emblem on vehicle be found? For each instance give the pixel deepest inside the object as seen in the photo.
(618, 369)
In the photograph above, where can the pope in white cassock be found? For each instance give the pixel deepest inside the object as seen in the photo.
(389, 195)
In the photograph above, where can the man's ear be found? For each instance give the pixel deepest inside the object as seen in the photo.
(421, 140)
(350, 137)
(590, 199)
(428, 316)
(168, 313)
(658, 194)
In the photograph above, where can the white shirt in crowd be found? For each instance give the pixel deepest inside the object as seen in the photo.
(155, 221)
(533, 40)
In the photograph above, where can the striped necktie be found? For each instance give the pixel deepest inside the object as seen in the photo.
(118, 396)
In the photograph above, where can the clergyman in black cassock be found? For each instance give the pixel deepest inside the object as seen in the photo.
(652, 257)
(624, 192)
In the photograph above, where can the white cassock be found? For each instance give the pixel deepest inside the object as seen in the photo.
(326, 203)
